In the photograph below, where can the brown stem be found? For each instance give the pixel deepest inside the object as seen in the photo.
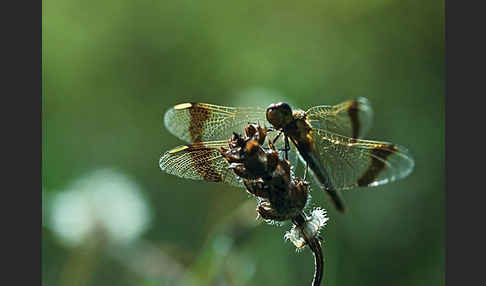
(315, 246)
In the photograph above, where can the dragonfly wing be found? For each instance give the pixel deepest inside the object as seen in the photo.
(351, 118)
(200, 161)
(198, 122)
(358, 163)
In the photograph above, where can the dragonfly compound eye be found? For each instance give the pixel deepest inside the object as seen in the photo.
(279, 114)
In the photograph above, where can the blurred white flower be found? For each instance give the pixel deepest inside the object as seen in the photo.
(105, 201)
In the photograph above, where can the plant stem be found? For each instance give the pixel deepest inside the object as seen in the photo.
(315, 246)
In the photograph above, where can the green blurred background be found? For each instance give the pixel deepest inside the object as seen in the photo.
(112, 68)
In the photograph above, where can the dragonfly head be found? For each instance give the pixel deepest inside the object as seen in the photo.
(279, 114)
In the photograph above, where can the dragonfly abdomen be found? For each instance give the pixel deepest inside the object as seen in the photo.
(320, 174)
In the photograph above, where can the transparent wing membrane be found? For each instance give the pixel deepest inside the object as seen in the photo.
(351, 118)
(359, 163)
(199, 161)
(198, 122)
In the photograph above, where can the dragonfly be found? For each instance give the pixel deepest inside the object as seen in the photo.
(326, 138)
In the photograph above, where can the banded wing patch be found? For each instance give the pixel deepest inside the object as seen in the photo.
(354, 163)
(351, 118)
(199, 161)
(198, 122)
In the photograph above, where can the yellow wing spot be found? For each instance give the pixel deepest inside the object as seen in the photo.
(182, 106)
(178, 149)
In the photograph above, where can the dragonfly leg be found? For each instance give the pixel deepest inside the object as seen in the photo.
(271, 129)
(287, 147)
(305, 171)
(276, 138)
